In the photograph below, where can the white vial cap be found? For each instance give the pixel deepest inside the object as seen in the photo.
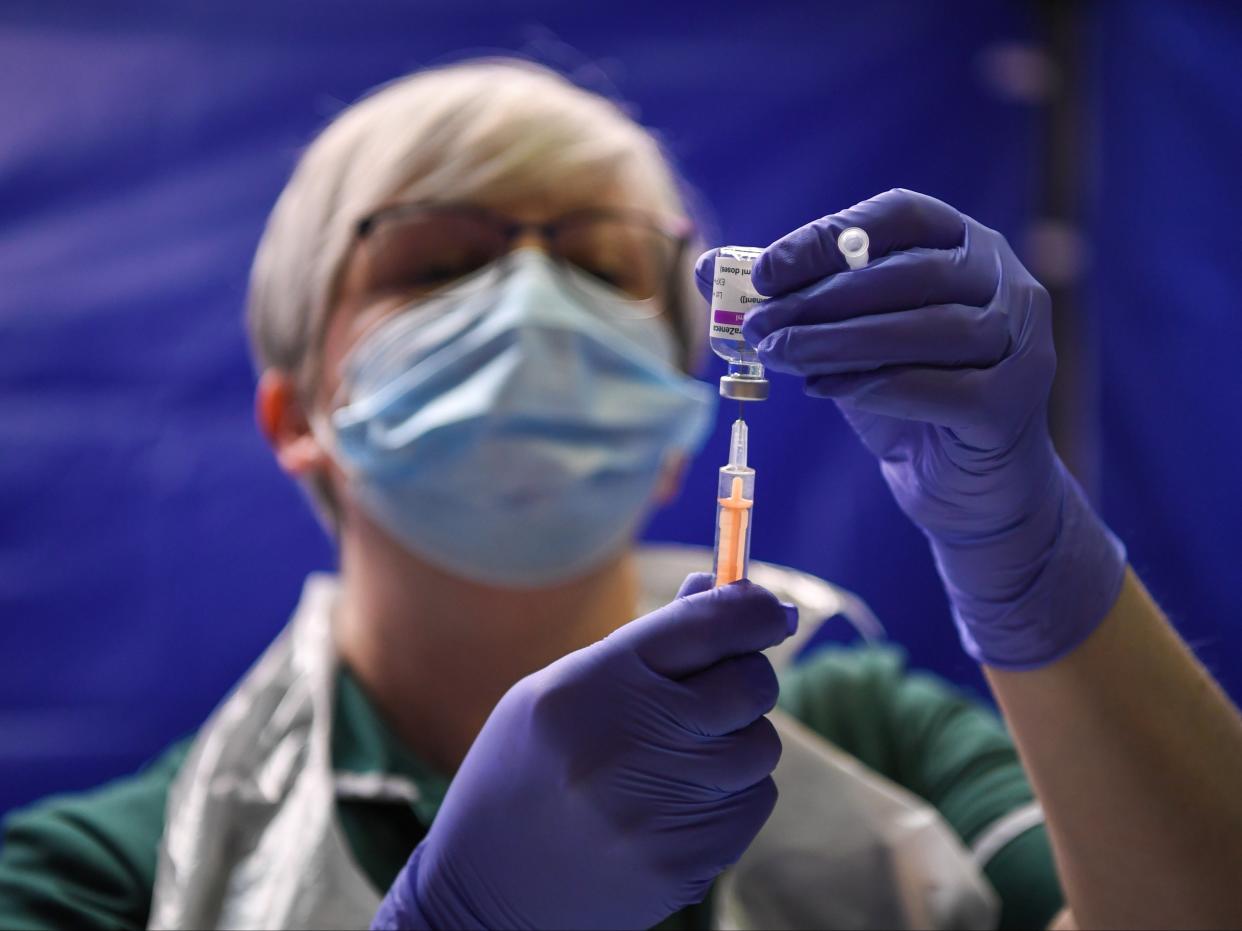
(854, 244)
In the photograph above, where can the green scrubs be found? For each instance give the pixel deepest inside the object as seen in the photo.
(88, 860)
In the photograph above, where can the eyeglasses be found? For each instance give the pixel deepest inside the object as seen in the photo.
(413, 250)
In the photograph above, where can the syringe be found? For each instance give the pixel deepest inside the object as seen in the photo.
(734, 500)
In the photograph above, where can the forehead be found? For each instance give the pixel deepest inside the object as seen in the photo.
(535, 192)
(548, 204)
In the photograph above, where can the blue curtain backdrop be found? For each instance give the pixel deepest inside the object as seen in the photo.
(1166, 289)
(149, 547)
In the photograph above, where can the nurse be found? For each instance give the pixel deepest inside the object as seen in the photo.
(473, 313)
(468, 310)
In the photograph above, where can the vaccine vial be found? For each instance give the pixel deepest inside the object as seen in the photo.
(733, 295)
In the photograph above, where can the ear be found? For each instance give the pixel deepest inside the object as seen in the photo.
(284, 422)
(671, 474)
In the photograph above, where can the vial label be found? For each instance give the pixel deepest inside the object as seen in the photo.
(732, 292)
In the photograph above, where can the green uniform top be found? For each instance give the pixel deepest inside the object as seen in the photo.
(88, 860)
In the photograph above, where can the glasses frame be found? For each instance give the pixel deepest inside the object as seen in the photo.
(677, 233)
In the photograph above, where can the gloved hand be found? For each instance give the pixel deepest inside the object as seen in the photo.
(940, 355)
(611, 787)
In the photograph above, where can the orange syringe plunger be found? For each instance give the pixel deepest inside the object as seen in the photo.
(735, 498)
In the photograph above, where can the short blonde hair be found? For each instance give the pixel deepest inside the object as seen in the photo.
(481, 129)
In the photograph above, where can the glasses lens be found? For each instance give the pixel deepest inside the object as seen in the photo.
(411, 255)
(624, 253)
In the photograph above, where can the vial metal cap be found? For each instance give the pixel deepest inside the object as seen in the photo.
(743, 389)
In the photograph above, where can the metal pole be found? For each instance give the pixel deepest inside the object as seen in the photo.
(1060, 253)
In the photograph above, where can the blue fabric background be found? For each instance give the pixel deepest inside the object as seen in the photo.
(1167, 92)
(149, 547)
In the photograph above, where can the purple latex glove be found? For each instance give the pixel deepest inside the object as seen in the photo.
(940, 355)
(610, 788)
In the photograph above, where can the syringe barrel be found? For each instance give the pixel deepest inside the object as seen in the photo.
(734, 506)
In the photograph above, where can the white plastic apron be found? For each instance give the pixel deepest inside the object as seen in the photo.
(252, 839)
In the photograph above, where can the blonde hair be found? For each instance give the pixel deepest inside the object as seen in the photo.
(481, 129)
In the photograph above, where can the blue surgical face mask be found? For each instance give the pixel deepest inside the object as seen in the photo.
(512, 429)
